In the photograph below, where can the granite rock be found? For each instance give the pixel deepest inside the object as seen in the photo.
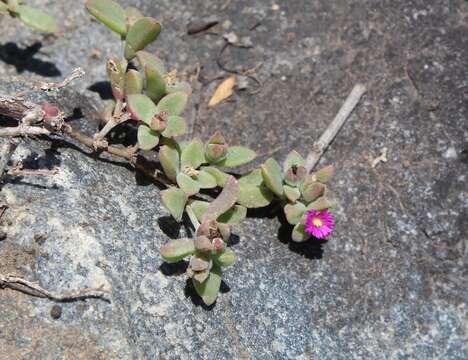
(390, 283)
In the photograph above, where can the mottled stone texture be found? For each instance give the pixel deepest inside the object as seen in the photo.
(390, 284)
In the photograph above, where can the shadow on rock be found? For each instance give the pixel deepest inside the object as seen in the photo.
(103, 88)
(171, 269)
(23, 59)
(169, 226)
(311, 249)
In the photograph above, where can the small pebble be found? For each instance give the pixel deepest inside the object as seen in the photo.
(275, 7)
(56, 312)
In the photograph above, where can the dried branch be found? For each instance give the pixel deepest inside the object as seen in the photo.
(329, 134)
(29, 288)
(23, 130)
(76, 74)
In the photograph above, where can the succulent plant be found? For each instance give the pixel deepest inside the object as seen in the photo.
(208, 252)
(34, 18)
(154, 99)
(299, 192)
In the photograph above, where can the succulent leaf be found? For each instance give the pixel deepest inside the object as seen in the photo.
(155, 84)
(147, 138)
(193, 155)
(147, 59)
(176, 126)
(173, 104)
(272, 177)
(199, 208)
(299, 234)
(141, 108)
(294, 212)
(311, 191)
(109, 13)
(225, 200)
(293, 159)
(220, 176)
(179, 86)
(37, 19)
(291, 193)
(225, 259)
(174, 200)
(143, 32)
(177, 250)
(254, 196)
(170, 159)
(254, 177)
(132, 15)
(133, 82)
(321, 203)
(3, 8)
(209, 289)
(116, 72)
(324, 175)
(234, 215)
(187, 184)
(237, 156)
(205, 180)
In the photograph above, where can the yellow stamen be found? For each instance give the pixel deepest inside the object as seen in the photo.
(317, 222)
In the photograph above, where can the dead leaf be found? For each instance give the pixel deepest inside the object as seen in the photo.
(223, 91)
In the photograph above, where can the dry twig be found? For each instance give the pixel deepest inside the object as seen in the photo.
(29, 288)
(329, 134)
(76, 74)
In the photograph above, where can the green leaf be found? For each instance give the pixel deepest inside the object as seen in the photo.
(321, 203)
(143, 32)
(147, 138)
(221, 177)
(174, 200)
(177, 250)
(205, 180)
(13, 5)
(209, 289)
(170, 159)
(133, 82)
(192, 155)
(225, 200)
(155, 83)
(254, 177)
(175, 126)
(226, 258)
(299, 234)
(291, 193)
(311, 191)
(294, 212)
(271, 172)
(116, 72)
(174, 103)
(254, 196)
(179, 86)
(293, 159)
(147, 59)
(199, 208)
(187, 184)
(324, 175)
(36, 19)
(141, 108)
(237, 156)
(234, 215)
(109, 13)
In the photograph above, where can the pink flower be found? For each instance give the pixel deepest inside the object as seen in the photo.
(319, 223)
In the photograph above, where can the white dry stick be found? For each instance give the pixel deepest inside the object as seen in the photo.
(76, 74)
(329, 134)
(22, 130)
(27, 287)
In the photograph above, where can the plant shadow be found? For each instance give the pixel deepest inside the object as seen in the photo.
(311, 249)
(103, 89)
(23, 59)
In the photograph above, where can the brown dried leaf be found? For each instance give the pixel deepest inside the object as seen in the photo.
(223, 91)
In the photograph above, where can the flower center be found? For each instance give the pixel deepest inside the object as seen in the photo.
(317, 222)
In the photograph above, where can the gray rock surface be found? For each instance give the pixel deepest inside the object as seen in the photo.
(390, 284)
